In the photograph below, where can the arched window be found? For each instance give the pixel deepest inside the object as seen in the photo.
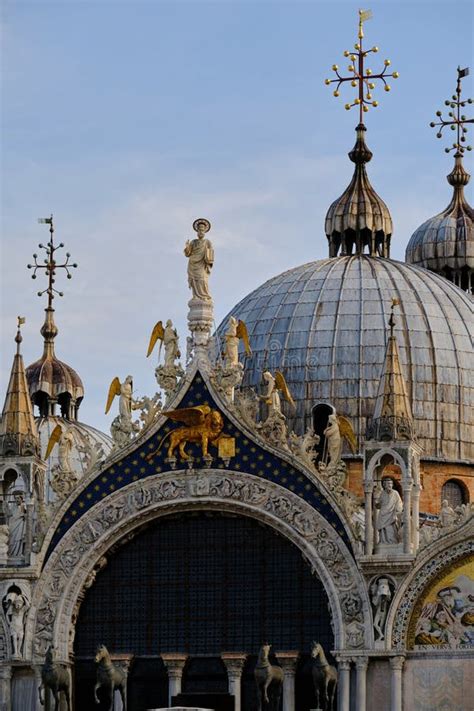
(454, 492)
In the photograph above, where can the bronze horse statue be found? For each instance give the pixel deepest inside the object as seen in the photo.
(55, 677)
(269, 679)
(324, 678)
(110, 678)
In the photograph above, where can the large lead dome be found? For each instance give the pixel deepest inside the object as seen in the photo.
(324, 324)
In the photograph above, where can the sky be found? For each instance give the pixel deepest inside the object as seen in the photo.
(130, 119)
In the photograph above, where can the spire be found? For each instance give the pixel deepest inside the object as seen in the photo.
(445, 243)
(50, 380)
(359, 220)
(18, 433)
(392, 419)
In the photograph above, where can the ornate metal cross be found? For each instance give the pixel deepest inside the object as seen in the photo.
(456, 120)
(360, 76)
(50, 265)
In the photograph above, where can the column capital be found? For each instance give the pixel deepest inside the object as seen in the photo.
(5, 671)
(122, 661)
(234, 662)
(174, 662)
(288, 660)
(396, 663)
(361, 662)
(343, 663)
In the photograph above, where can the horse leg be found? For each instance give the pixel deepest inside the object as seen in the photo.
(68, 698)
(123, 695)
(265, 689)
(111, 697)
(96, 688)
(56, 699)
(259, 698)
(40, 689)
(332, 696)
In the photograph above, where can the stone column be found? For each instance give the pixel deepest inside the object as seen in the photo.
(361, 682)
(234, 662)
(344, 683)
(288, 662)
(123, 662)
(415, 533)
(407, 487)
(369, 523)
(5, 687)
(174, 663)
(396, 666)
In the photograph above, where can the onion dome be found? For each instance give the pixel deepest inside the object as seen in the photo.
(52, 382)
(445, 243)
(323, 324)
(359, 221)
(18, 433)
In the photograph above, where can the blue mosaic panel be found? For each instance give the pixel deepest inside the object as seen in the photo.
(250, 458)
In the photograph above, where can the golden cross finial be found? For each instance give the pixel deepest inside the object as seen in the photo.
(391, 321)
(50, 264)
(456, 120)
(360, 76)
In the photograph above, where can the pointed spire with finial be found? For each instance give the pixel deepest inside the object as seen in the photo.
(359, 220)
(50, 380)
(445, 243)
(392, 419)
(18, 433)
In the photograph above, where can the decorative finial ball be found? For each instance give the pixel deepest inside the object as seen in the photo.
(201, 221)
(395, 75)
(446, 150)
(375, 49)
(368, 95)
(347, 107)
(387, 62)
(469, 148)
(327, 81)
(350, 68)
(357, 46)
(336, 93)
(469, 101)
(371, 85)
(387, 87)
(357, 101)
(353, 82)
(438, 113)
(335, 67)
(375, 103)
(346, 53)
(432, 124)
(453, 128)
(353, 57)
(446, 103)
(365, 108)
(369, 72)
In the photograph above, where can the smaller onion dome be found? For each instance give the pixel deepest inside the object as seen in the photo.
(51, 381)
(359, 221)
(445, 243)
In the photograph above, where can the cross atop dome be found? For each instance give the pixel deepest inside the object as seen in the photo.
(359, 221)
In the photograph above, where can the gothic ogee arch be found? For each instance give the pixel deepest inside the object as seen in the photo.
(73, 564)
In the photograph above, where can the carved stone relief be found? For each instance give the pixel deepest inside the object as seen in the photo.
(72, 563)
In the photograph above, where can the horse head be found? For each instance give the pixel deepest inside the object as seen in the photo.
(316, 650)
(101, 653)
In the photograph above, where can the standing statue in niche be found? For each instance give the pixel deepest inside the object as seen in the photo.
(200, 254)
(17, 525)
(63, 477)
(390, 508)
(16, 606)
(381, 596)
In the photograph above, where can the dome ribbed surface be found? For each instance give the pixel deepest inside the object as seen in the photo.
(324, 324)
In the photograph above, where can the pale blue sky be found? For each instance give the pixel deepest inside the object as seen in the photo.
(130, 119)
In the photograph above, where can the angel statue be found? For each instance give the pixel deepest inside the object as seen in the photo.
(236, 331)
(337, 428)
(63, 477)
(275, 386)
(122, 426)
(200, 254)
(124, 391)
(168, 338)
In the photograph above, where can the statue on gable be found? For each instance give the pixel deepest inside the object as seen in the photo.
(332, 466)
(200, 254)
(168, 373)
(274, 427)
(227, 375)
(63, 477)
(122, 428)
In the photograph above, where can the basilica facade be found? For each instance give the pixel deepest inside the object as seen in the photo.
(294, 503)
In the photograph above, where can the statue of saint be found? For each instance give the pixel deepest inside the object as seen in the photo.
(64, 450)
(333, 440)
(232, 343)
(390, 507)
(200, 254)
(17, 525)
(16, 609)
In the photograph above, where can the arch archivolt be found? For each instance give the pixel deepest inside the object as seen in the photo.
(73, 564)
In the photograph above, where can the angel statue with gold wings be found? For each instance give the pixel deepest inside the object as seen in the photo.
(337, 429)
(236, 331)
(168, 338)
(124, 391)
(65, 440)
(275, 386)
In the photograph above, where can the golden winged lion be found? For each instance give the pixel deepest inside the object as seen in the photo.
(203, 426)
